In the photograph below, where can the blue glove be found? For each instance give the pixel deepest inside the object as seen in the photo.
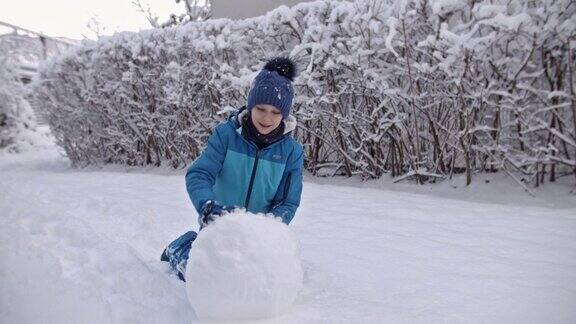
(211, 210)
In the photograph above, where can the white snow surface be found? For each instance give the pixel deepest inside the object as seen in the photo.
(243, 266)
(83, 246)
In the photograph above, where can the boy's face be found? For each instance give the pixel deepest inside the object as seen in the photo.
(266, 118)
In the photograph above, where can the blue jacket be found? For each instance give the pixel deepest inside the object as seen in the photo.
(234, 172)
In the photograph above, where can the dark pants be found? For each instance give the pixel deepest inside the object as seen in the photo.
(176, 253)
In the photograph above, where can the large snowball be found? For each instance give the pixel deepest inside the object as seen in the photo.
(243, 266)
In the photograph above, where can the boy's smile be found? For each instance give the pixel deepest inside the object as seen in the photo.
(266, 118)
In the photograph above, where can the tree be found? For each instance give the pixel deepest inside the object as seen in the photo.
(196, 10)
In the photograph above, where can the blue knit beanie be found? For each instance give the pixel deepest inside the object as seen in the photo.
(273, 86)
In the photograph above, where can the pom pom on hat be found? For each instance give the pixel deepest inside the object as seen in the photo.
(283, 66)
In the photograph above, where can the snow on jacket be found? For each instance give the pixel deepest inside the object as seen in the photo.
(234, 172)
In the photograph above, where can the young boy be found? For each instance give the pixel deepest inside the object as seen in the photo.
(251, 161)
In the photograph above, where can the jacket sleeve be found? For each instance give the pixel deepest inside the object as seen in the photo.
(287, 198)
(202, 174)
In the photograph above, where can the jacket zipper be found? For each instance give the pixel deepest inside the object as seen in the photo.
(252, 179)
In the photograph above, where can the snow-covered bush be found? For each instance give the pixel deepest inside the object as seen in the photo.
(423, 88)
(17, 121)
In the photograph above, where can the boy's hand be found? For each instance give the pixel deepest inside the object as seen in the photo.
(211, 210)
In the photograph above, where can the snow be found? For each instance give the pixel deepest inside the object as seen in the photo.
(488, 10)
(442, 7)
(244, 266)
(508, 22)
(83, 246)
(391, 34)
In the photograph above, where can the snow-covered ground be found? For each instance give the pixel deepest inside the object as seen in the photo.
(82, 246)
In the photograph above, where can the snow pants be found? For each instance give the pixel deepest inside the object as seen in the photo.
(176, 253)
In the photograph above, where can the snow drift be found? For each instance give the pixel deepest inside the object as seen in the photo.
(244, 266)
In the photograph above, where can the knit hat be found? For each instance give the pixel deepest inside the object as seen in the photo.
(273, 86)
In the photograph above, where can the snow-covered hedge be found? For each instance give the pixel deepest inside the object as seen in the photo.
(413, 87)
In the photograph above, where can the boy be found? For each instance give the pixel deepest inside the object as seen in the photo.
(251, 161)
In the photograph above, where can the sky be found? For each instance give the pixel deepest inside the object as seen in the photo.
(69, 18)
